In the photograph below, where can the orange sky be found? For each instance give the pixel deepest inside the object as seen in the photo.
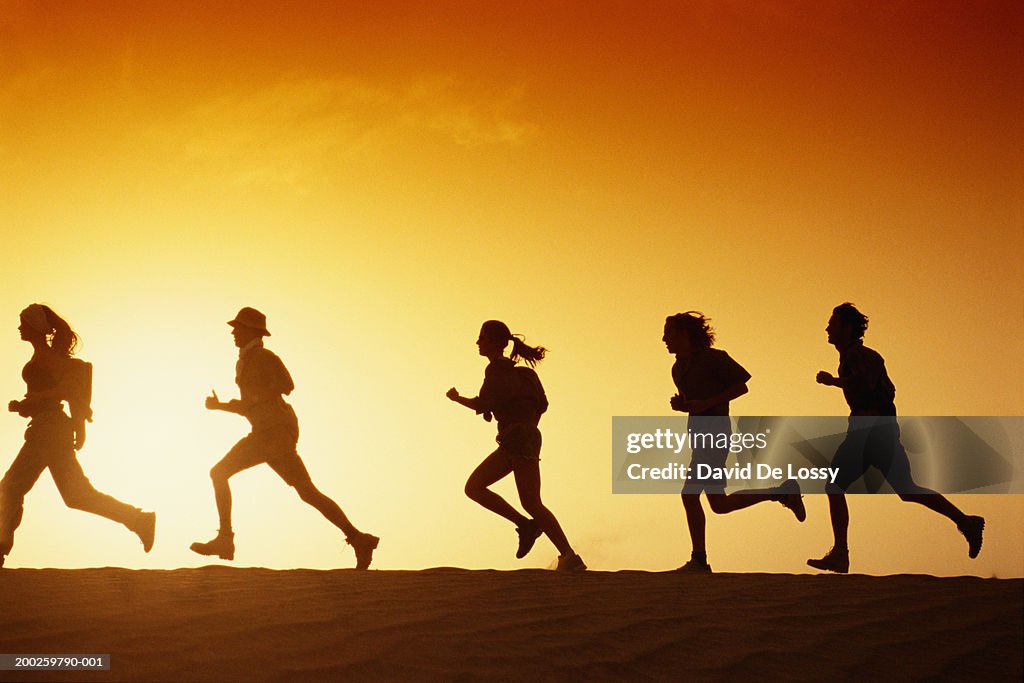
(380, 180)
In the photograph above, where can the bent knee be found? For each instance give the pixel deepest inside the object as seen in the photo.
(718, 504)
(79, 498)
(219, 475)
(834, 489)
(473, 490)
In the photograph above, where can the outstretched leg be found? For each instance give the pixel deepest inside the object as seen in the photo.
(898, 474)
(78, 493)
(788, 494)
(971, 526)
(311, 495)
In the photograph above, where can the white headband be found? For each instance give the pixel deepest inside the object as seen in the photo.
(35, 317)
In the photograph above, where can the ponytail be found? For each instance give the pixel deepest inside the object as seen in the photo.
(531, 355)
(499, 332)
(63, 339)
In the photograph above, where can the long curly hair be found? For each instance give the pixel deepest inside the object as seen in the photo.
(697, 327)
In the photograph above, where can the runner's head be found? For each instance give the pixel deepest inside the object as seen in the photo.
(846, 324)
(38, 321)
(685, 332)
(495, 336)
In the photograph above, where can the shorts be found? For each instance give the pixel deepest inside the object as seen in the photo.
(274, 444)
(520, 441)
(873, 442)
(713, 427)
(713, 457)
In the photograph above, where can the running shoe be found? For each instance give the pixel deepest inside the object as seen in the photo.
(792, 500)
(837, 561)
(364, 545)
(571, 563)
(528, 535)
(222, 546)
(972, 529)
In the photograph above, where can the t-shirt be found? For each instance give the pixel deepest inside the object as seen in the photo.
(64, 378)
(868, 389)
(262, 378)
(514, 394)
(706, 373)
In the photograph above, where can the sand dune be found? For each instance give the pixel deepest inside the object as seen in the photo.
(218, 623)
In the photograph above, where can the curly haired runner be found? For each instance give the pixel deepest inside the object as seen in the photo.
(262, 381)
(515, 396)
(52, 377)
(707, 379)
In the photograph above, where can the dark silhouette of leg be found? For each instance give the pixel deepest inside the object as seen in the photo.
(21, 476)
(289, 466)
(222, 494)
(839, 513)
(495, 467)
(788, 494)
(79, 494)
(248, 452)
(695, 522)
(937, 503)
(838, 558)
(311, 495)
(527, 474)
(243, 455)
(897, 472)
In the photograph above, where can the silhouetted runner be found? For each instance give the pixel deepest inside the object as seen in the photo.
(707, 380)
(873, 439)
(515, 396)
(262, 379)
(52, 377)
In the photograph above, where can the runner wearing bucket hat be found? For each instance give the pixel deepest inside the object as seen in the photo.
(251, 318)
(263, 381)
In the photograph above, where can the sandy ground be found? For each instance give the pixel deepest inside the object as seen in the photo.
(218, 623)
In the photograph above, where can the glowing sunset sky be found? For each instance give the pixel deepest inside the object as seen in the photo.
(380, 180)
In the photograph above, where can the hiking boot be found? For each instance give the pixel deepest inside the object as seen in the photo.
(222, 546)
(789, 496)
(972, 529)
(695, 567)
(528, 535)
(364, 545)
(145, 529)
(836, 560)
(571, 563)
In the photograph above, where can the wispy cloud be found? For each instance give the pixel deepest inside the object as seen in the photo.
(279, 135)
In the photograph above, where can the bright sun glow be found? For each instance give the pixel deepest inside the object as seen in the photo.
(379, 182)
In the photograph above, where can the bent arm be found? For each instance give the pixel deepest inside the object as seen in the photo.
(475, 404)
